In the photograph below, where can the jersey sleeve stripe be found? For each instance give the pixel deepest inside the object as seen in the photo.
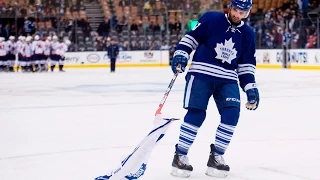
(192, 39)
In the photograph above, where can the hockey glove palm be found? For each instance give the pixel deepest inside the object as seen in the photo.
(179, 57)
(253, 99)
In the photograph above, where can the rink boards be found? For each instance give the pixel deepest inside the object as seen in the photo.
(266, 58)
(100, 59)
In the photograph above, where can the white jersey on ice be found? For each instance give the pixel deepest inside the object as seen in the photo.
(61, 49)
(47, 48)
(12, 47)
(38, 47)
(27, 50)
(3, 48)
(54, 47)
(19, 47)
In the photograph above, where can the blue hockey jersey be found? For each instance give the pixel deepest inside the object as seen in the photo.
(223, 52)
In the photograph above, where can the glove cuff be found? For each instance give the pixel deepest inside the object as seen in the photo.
(250, 86)
(182, 53)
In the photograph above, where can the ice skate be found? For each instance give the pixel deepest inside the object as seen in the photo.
(180, 165)
(216, 165)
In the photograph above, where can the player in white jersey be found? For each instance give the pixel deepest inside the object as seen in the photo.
(27, 53)
(12, 51)
(3, 54)
(38, 47)
(55, 57)
(61, 50)
(47, 51)
(19, 46)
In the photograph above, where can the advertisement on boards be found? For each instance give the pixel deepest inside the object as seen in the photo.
(125, 58)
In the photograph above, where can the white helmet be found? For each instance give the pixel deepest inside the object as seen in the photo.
(36, 37)
(11, 37)
(23, 38)
(49, 38)
(19, 38)
(2, 39)
(28, 39)
(68, 42)
(55, 37)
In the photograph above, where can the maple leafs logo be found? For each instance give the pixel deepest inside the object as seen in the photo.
(226, 52)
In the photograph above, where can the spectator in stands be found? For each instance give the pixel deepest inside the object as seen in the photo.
(13, 30)
(104, 28)
(29, 27)
(121, 23)
(277, 38)
(293, 23)
(134, 27)
(86, 28)
(153, 27)
(6, 32)
(122, 47)
(192, 22)
(147, 7)
(100, 44)
(269, 40)
(313, 29)
(177, 26)
(287, 38)
(295, 40)
(145, 25)
(123, 3)
(39, 11)
(68, 25)
(312, 42)
(31, 10)
(165, 46)
(171, 26)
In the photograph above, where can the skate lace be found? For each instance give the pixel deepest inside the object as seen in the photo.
(184, 159)
(219, 159)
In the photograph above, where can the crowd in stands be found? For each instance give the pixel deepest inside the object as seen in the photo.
(287, 25)
(144, 24)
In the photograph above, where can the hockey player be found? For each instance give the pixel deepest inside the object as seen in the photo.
(224, 53)
(54, 57)
(11, 56)
(47, 52)
(27, 53)
(19, 46)
(3, 54)
(61, 50)
(38, 47)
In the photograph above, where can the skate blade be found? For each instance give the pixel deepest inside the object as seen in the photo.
(180, 173)
(212, 172)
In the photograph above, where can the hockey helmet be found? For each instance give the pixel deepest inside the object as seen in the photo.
(243, 5)
(28, 38)
(55, 37)
(11, 37)
(36, 37)
(49, 38)
(68, 42)
(2, 39)
(23, 38)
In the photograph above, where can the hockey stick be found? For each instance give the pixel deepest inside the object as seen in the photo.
(135, 164)
(166, 94)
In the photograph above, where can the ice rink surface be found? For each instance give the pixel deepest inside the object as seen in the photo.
(76, 125)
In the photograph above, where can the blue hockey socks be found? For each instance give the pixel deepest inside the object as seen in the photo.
(229, 120)
(189, 128)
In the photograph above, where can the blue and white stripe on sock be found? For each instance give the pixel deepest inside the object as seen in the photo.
(188, 133)
(223, 138)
